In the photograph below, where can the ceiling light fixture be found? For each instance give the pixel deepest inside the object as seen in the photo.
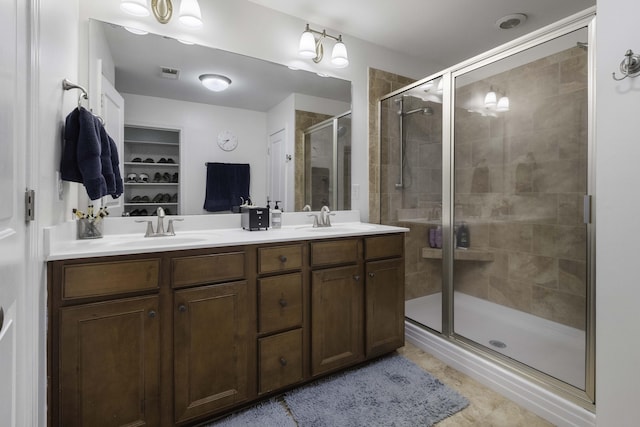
(312, 48)
(215, 82)
(511, 21)
(188, 15)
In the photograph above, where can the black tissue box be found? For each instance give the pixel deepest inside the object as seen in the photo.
(254, 218)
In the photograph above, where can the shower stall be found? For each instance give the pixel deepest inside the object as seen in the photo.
(327, 163)
(489, 166)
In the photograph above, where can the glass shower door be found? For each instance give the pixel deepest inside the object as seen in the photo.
(411, 192)
(520, 269)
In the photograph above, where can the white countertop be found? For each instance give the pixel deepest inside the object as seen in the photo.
(125, 236)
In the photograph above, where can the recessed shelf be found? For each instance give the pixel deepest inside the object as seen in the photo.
(171, 165)
(130, 141)
(460, 254)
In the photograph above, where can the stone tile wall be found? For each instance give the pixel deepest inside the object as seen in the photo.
(304, 120)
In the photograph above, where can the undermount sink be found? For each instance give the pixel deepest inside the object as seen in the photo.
(339, 228)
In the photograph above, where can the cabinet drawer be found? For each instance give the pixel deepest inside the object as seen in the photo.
(280, 360)
(279, 258)
(203, 269)
(109, 278)
(279, 302)
(334, 252)
(384, 246)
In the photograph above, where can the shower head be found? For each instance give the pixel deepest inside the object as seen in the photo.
(583, 45)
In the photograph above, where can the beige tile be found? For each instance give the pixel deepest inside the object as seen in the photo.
(486, 407)
(558, 306)
(539, 270)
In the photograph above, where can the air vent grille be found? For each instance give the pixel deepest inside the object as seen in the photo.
(169, 73)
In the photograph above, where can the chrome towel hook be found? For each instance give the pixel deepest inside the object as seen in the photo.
(67, 85)
(629, 67)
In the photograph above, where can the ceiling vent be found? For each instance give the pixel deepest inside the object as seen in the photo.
(169, 73)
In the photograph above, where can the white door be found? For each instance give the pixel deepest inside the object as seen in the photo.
(277, 171)
(112, 112)
(12, 224)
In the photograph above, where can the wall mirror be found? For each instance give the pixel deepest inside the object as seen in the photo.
(267, 110)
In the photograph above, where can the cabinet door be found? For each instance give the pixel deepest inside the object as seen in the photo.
(337, 300)
(109, 363)
(210, 349)
(384, 306)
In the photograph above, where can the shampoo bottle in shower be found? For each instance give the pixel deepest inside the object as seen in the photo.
(439, 237)
(462, 236)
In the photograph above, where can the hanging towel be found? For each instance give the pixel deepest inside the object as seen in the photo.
(90, 156)
(227, 183)
(81, 160)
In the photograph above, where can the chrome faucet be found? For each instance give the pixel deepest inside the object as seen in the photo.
(159, 232)
(324, 220)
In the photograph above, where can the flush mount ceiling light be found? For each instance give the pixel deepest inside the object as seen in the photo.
(188, 15)
(312, 48)
(511, 21)
(215, 82)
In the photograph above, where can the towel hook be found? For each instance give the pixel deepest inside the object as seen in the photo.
(629, 67)
(67, 85)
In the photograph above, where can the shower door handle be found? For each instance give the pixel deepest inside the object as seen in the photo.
(586, 206)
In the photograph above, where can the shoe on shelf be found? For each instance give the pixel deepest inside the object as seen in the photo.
(132, 177)
(137, 160)
(157, 177)
(174, 178)
(166, 177)
(143, 177)
(144, 199)
(143, 212)
(148, 160)
(162, 160)
(157, 198)
(174, 198)
(170, 160)
(134, 212)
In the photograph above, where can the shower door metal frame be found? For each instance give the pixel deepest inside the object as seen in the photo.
(586, 19)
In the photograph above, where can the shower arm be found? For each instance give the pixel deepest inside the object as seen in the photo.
(401, 183)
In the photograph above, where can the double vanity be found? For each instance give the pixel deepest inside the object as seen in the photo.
(177, 330)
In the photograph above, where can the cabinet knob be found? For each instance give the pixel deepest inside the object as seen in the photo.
(283, 361)
(372, 274)
(152, 313)
(283, 258)
(182, 308)
(356, 278)
(282, 302)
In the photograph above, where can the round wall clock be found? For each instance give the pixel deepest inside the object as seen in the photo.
(227, 140)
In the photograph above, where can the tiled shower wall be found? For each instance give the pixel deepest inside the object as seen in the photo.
(304, 120)
(520, 178)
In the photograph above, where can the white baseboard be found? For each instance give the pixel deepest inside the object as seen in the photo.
(536, 399)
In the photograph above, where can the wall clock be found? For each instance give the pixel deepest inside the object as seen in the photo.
(227, 140)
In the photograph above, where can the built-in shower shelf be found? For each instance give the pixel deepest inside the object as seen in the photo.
(460, 254)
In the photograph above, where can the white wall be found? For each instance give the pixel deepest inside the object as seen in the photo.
(617, 216)
(200, 125)
(229, 25)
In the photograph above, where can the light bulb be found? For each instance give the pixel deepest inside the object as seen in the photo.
(307, 48)
(190, 13)
(135, 7)
(503, 104)
(490, 99)
(339, 56)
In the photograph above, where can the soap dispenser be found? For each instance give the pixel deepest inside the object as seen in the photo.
(276, 216)
(462, 237)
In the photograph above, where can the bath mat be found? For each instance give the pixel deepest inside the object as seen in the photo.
(268, 414)
(391, 391)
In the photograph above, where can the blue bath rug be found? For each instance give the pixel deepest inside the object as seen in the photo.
(264, 414)
(391, 391)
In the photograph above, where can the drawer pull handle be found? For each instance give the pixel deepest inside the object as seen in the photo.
(282, 302)
(356, 278)
(283, 361)
(152, 313)
(182, 308)
(372, 274)
(283, 258)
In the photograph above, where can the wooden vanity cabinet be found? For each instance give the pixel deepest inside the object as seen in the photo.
(282, 308)
(104, 346)
(337, 299)
(179, 337)
(211, 333)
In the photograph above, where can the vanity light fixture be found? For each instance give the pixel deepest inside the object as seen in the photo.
(312, 48)
(215, 82)
(189, 13)
(503, 104)
(490, 99)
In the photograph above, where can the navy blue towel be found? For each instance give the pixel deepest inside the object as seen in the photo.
(90, 156)
(227, 183)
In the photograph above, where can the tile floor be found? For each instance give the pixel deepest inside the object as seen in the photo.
(486, 408)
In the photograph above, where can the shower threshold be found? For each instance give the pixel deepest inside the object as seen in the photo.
(550, 347)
